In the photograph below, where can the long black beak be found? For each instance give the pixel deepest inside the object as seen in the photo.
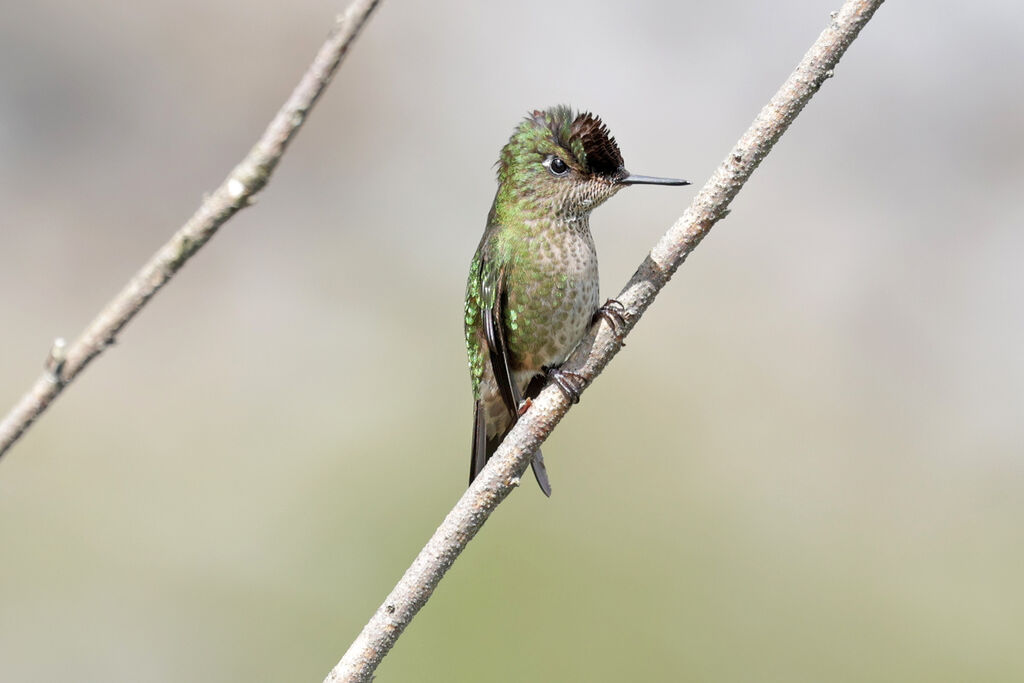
(631, 179)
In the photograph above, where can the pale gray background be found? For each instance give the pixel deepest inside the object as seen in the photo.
(806, 466)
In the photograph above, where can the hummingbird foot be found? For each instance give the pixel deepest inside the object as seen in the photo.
(614, 313)
(571, 383)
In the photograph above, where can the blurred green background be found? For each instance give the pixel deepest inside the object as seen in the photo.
(806, 466)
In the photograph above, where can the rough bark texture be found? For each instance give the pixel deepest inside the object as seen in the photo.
(504, 470)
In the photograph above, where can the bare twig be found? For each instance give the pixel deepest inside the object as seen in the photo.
(503, 471)
(236, 192)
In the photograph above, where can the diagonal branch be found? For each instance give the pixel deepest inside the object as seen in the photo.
(507, 465)
(236, 192)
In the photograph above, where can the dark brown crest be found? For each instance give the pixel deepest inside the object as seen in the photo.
(603, 155)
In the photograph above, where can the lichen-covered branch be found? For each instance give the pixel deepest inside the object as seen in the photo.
(503, 471)
(237, 191)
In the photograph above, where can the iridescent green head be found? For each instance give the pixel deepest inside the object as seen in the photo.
(564, 164)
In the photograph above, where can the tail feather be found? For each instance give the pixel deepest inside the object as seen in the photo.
(541, 473)
(484, 448)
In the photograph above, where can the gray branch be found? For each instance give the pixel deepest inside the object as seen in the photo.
(238, 191)
(504, 470)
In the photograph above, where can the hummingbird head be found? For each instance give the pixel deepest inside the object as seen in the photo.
(564, 164)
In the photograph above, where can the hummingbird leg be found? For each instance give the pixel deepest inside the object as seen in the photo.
(614, 313)
(570, 383)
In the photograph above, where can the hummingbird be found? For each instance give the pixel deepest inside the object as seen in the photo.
(533, 282)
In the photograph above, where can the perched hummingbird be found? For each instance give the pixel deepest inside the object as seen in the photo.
(533, 283)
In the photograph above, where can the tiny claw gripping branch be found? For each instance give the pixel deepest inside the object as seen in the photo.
(614, 313)
(570, 383)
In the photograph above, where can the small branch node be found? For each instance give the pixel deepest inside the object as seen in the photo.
(55, 360)
(236, 188)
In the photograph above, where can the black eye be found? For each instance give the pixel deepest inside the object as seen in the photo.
(557, 166)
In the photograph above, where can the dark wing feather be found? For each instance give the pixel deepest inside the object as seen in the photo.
(494, 331)
(479, 455)
(492, 291)
(484, 445)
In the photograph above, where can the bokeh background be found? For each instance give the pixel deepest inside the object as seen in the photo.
(806, 466)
